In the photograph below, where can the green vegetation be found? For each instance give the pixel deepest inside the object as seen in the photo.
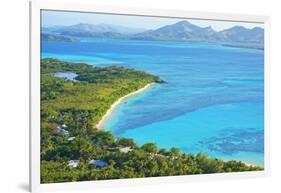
(70, 111)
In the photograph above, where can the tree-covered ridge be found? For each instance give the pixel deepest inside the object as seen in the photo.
(72, 149)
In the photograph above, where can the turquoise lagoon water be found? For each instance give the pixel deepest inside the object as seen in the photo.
(213, 101)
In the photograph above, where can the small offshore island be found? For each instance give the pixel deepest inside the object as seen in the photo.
(74, 148)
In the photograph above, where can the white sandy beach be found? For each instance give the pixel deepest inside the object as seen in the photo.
(116, 103)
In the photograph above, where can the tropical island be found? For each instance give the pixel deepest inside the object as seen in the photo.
(57, 38)
(74, 148)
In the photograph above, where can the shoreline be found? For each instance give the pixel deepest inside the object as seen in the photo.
(117, 102)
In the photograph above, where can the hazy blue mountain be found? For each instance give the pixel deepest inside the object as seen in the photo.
(182, 30)
(185, 31)
(84, 29)
(95, 34)
(242, 34)
(52, 37)
(51, 29)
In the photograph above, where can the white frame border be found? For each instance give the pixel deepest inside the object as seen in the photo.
(35, 9)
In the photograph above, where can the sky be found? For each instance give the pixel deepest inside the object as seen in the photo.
(51, 18)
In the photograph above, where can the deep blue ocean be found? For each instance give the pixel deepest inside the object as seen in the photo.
(213, 101)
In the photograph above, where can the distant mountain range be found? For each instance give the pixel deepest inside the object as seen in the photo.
(180, 31)
(186, 31)
(84, 29)
(242, 34)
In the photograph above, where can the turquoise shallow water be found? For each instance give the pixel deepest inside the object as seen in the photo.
(213, 100)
